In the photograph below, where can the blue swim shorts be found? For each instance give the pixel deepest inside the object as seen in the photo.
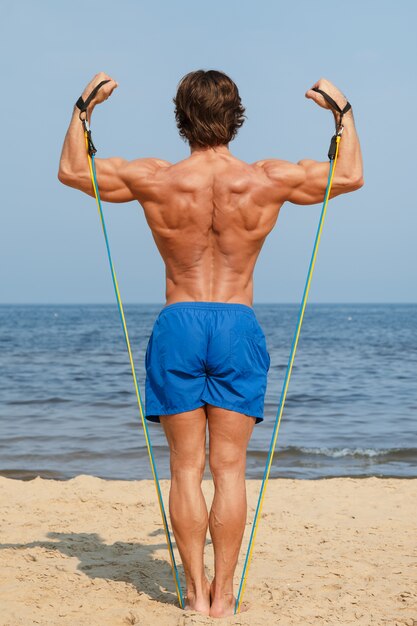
(206, 352)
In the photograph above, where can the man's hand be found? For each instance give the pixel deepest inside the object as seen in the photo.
(331, 90)
(103, 93)
(306, 181)
(119, 180)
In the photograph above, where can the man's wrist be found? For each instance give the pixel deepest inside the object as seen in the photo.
(341, 102)
(347, 115)
(340, 99)
(89, 108)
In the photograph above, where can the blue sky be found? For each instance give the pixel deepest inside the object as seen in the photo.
(51, 246)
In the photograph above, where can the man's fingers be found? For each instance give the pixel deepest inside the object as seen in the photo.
(98, 78)
(313, 95)
(317, 97)
(322, 83)
(112, 86)
(106, 90)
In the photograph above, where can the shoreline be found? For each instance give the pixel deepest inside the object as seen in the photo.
(20, 475)
(92, 551)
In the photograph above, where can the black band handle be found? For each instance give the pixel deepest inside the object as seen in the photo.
(339, 128)
(332, 103)
(82, 105)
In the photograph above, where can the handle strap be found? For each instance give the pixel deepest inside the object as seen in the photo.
(83, 104)
(332, 103)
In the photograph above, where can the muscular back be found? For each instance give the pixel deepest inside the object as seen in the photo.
(209, 215)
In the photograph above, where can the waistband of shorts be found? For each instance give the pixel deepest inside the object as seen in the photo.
(192, 304)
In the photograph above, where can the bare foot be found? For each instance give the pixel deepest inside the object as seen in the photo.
(224, 605)
(199, 603)
(226, 609)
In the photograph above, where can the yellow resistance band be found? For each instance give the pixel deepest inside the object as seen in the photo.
(132, 365)
(286, 383)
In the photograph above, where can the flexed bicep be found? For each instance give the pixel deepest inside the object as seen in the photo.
(300, 183)
(113, 179)
(308, 186)
(120, 180)
(304, 182)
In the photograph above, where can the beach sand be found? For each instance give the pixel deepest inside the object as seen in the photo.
(92, 552)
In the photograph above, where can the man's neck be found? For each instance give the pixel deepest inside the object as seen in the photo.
(223, 149)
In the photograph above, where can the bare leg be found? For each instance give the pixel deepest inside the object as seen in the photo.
(186, 435)
(230, 433)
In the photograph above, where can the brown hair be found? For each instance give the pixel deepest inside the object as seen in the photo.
(208, 108)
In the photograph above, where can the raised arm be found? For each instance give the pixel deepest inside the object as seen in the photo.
(305, 182)
(119, 180)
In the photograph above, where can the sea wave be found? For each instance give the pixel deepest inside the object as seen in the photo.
(359, 452)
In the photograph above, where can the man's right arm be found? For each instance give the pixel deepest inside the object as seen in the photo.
(305, 182)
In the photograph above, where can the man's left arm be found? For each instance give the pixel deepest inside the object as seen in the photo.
(114, 175)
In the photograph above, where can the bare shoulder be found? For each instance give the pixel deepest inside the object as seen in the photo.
(142, 176)
(280, 171)
(145, 166)
(280, 177)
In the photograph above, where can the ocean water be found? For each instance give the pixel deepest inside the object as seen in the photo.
(67, 401)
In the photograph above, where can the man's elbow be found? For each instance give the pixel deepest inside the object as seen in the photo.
(356, 183)
(66, 177)
(63, 176)
(352, 183)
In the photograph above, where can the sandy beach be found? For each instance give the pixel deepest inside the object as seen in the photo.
(92, 551)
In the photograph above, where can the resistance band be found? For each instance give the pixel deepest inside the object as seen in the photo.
(332, 154)
(91, 150)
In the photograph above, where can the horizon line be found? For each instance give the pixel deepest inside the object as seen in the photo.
(135, 303)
